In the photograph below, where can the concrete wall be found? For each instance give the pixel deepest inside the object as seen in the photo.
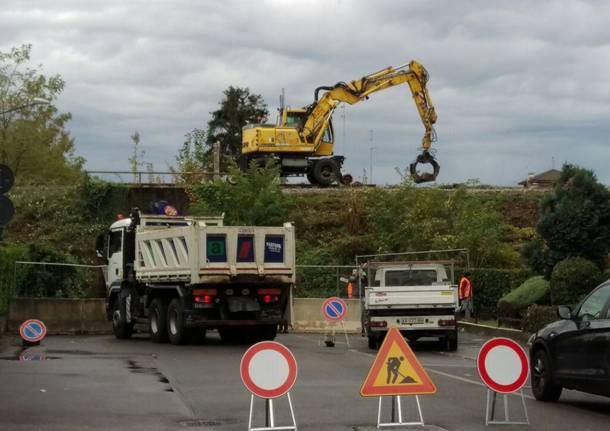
(60, 316)
(88, 316)
(307, 316)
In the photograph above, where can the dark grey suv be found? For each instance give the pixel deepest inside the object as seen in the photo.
(574, 352)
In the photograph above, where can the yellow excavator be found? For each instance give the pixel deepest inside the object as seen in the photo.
(303, 141)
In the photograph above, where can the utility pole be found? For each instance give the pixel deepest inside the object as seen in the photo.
(371, 149)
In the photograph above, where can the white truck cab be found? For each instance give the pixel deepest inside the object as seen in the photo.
(417, 298)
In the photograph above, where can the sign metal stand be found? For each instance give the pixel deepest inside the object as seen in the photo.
(503, 366)
(396, 415)
(334, 310)
(259, 373)
(490, 410)
(270, 416)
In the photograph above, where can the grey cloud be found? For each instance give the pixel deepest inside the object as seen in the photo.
(514, 83)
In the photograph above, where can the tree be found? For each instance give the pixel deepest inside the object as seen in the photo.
(575, 218)
(238, 108)
(136, 160)
(33, 139)
(191, 161)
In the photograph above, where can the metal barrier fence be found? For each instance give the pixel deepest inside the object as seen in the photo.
(57, 280)
(152, 177)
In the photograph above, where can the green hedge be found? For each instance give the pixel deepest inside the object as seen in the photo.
(8, 256)
(490, 284)
(573, 278)
(534, 290)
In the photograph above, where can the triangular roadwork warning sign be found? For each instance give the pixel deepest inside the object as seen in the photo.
(396, 371)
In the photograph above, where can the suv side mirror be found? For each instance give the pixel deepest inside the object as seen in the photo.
(564, 312)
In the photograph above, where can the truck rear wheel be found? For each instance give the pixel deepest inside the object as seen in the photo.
(175, 323)
(157, 320)
(121, 328)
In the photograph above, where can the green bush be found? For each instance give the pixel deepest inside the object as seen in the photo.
(573, 278)
(538, 316)
(534, 290)
(253, 197)
(48, 280)
(489, 285)
(8, 256)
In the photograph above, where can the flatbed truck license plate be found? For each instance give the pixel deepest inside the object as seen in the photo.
(411, 320)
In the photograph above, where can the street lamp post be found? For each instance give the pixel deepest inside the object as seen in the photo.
(35, 101)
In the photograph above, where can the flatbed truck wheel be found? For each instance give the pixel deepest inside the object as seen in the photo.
(157, 320)
(176, 331)
(122, 330)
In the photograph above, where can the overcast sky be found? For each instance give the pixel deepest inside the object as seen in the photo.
(516, 84)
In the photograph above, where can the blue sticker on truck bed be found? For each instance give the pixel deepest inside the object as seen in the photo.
(274, 249)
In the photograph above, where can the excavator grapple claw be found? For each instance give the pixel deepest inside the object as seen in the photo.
(424, 177)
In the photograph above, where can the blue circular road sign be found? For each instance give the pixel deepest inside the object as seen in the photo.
(334, 309)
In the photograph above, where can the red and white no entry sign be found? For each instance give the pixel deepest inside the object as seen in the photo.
(503, 365)
(268, 369)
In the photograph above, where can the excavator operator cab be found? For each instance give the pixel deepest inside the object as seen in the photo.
(295, 118)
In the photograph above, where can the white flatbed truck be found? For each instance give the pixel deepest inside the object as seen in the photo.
(183, 275)
(417, 298)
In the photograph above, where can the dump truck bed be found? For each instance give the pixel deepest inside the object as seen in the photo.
(199, 251)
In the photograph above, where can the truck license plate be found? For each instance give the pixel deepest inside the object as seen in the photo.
(412, 321)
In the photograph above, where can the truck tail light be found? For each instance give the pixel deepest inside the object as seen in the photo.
(446, 322)
(269, 294)
(381, 324)
(204, 296)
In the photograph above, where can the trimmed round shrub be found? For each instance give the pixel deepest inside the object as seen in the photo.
(573, 278)
(534, 290)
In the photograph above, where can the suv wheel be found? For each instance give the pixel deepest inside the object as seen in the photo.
(543, 386)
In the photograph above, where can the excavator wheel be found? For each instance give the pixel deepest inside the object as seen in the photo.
(424, 158)
(325, 172)
(347, 179)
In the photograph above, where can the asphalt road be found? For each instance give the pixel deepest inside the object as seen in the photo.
(99, 383)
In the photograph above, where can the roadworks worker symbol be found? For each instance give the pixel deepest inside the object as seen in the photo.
(396, 370)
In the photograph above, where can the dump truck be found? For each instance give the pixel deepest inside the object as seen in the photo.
(181, 276)
(417, 298)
